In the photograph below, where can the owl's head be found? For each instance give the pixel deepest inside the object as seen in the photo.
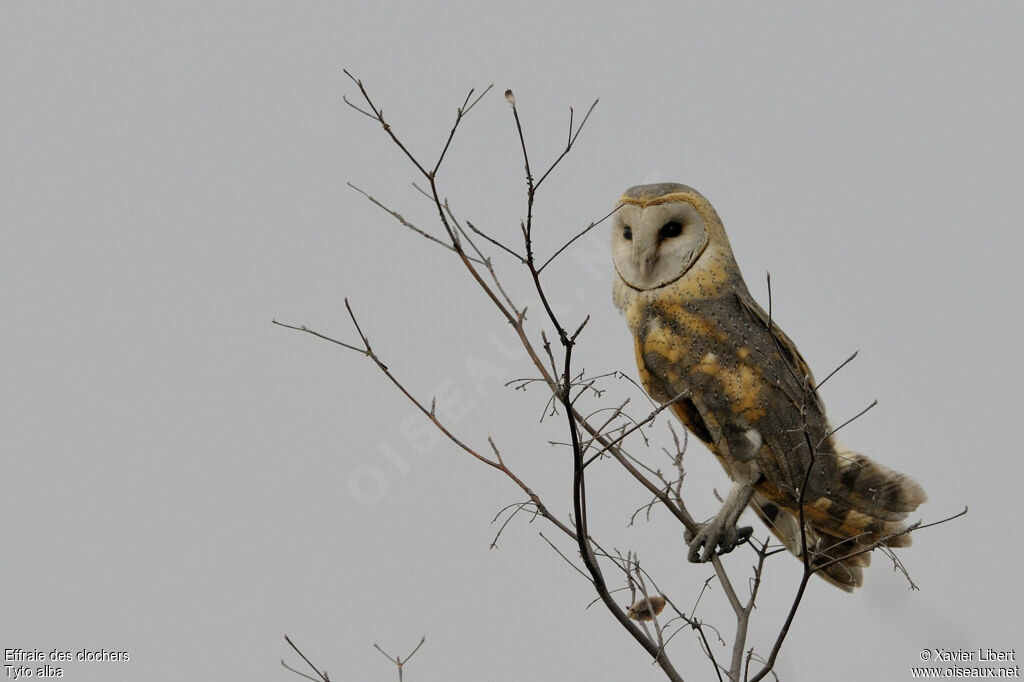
(660, 232)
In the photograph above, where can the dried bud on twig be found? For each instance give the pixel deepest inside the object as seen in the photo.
(640, 611)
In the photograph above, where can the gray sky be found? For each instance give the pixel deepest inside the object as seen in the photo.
(177, 471)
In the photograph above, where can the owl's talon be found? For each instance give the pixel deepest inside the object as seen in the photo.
(743, 534)
(715, 537)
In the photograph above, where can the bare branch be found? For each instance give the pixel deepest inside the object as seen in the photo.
(569, 243)
(831, 374)
(398, 216)
(303, 328)
(378, 115)
(430, 415)
(848, 421)
(501, 246)
(463, 110)
(575, 567)
(797, 599)
(648, 419)
(519, 507)
(580, 328)
(397, 660)
(364, 112)
(569, 144)
(321, 675)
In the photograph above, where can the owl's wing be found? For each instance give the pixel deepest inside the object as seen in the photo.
(850, 500)
(796, 379)
(795, 416)
(770, 391)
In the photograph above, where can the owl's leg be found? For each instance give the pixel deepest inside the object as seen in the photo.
(720, 535)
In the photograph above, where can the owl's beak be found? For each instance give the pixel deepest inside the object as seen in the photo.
(647, 264)
(646, 256)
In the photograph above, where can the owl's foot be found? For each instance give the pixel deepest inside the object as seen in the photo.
(718, 535)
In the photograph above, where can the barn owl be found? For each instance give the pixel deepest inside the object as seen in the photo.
(742, 388)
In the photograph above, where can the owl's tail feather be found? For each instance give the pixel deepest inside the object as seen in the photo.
(867, 505)
(871, 501)
(845, 575)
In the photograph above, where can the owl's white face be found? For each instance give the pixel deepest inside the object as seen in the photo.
(655, 245)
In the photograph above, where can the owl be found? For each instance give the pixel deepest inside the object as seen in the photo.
(742, 388)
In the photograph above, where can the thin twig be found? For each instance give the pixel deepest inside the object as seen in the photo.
(494, 241)
(584, 231)
(398, 216)
(575, 567)
(639, 425)
(398, 660)
(321, 675)
(831, 374)
(569, 144)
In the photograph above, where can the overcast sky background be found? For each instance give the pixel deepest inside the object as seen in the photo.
(177, 471)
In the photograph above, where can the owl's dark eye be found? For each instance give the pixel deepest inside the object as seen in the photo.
(627, 233)
(669, 230)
